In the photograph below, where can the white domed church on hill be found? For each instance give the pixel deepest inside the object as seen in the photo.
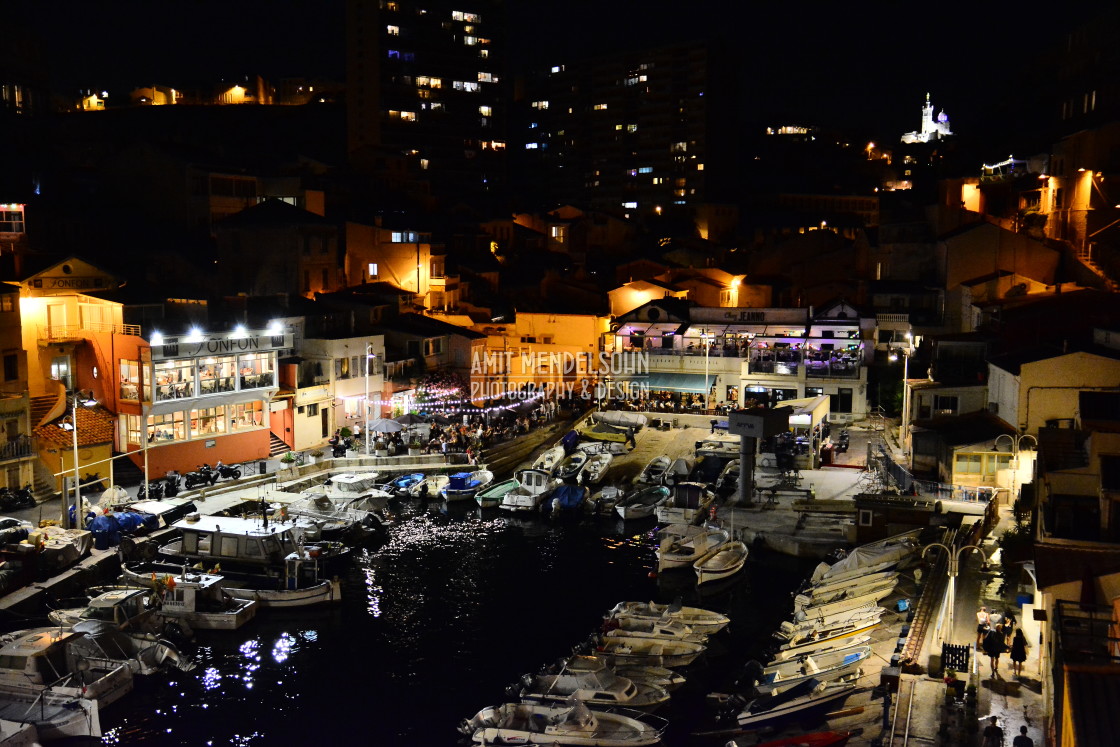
(931, 130)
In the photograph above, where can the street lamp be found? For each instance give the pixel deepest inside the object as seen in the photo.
(904, 426)
(950, 592)
(369, 354)
(1015, 447)
(86, 401)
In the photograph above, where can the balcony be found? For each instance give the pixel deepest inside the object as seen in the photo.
(21, 448)
(56, 333)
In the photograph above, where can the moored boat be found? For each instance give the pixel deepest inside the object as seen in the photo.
(565, 499)
(827, 666)
(683, 544)
(723, 562)
(540, 723)
(428, 488)
(598, 688)
(596, 467)
(534, 486)
(641, 502)
(654, 471)
(813, 598)
(860, 616)
(663, 652)
(463, 486)
(551, 457)
(661, 676)
(198, 598)
(492, 496)
(870, 558)
(643, 628)
(697, 618)
(689, 502)
(820, 646)
(798, 702)
(571, 465)
(840, 606)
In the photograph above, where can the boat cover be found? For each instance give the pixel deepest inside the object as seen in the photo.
(459, 481)
(568, 496)
(569, 441)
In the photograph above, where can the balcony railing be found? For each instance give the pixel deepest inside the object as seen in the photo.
(62, 332)
(21, 448)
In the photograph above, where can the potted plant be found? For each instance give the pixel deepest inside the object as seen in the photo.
(952, 684)
(287, 466)
(380, 448)
(415, 446)
(314, 455)
(345, 432)
(288, 458)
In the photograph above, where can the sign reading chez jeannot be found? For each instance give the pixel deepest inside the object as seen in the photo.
(174, 347)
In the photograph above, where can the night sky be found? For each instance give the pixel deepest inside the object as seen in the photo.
(855, 65)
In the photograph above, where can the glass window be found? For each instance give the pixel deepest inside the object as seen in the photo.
(968, 464)
(255, 370)
(174, 379)
(208, 422)
(247, 415)
(216, 374)
(132, 428)
(130, 381)
(167, 427)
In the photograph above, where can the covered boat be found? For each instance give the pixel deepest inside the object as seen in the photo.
(604, 432)
(565, 499)
(870, 558)
(641, 502)
(689, 502)
(571, 465)
(543, 723)
(621, 419)
(700, 620)
(492, 496)
(798, 702)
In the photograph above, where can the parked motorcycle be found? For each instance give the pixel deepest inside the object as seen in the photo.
(93, 481)
(18, 498)
(204, 475)
(844, 439)
(154, 490)
(227, 471)
(173, 482)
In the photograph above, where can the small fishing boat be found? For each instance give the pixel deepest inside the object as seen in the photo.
(804, 636)
(846, 604)
(401, 484)
(798, 702)
(642, 628)
(723, 562)
(602, 447)
(565, 499)
(688, 503)
(534, 486)
(429, 487)
(681, 545)
(546, 723)
(332, 521)
(604, 500)
(700, 620)
(857, 588)
(596, 467)
(463, 486)
(595, 688)
(654, 471)
(825, 667)
(550, 458)
(571, 465)
(663, 652)
(821, 646)
(679, 471)
(663, 677)
(200, 599)
(826, 588)
(642, 502)
(604, 432)
(860, 616)
(492, 496)
(870, 558)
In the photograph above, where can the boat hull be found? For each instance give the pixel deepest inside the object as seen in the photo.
(492, 496)
(327, 592)
(723, 563)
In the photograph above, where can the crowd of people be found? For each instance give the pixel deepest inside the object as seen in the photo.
(997, 634)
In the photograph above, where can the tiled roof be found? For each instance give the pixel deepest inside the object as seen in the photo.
(95, 427)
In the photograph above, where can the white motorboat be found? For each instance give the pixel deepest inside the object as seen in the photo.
(47, 681)
(602, 447)
(840, 606)
(604, 500)
(821, 646)
(570, 466)
(550, 458)
(825, 667)
(596, 467)
(332, 520)
(858, 588)
(796, 702)
(494, 494)
(688, 503)
(700, 620)
(678, 471)
(534, 486)
(681, 545)
(826, 588)
(641, 502)
(541, 723)
(463, 486)
(870, 558)
(429, 487)
(654, 471)
(723, 562)
(802, 636)
(663, 677)
(637, 627)
(354, 490)
(662, 652)
(719, 447)
(849, 617)
(200, 599)
(596, 688)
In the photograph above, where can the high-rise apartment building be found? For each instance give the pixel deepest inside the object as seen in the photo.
(637, 132)
(425, 83)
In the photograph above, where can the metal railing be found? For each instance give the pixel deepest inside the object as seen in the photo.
(20, 448)
(55, 332)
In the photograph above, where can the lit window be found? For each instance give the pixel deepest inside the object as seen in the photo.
(599, 107)
(486, 111)
(658, 180)
(618, 127)
(530, 146)
(372, 269)
(424, 163)
(484, 53)
(699, 167)
(487, 78)
(630, 205)
(470, 41)
(557, 69)
(631, 128)
(678, 147)
(645, 170)
(393, 54)
(393, 30)
(632, 172)
(426, 81)
(539, 104)
(458, 15)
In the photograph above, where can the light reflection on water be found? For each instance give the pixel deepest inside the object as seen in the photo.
(433, 625)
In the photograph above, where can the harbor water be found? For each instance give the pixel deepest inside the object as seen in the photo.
(434, 625)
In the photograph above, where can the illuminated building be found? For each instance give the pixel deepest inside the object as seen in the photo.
(932, 128)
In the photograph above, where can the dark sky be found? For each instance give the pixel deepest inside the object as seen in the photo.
(827, 63)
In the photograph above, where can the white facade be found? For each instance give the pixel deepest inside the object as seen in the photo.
(932, 129)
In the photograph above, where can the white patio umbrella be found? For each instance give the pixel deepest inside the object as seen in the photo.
(385, 425)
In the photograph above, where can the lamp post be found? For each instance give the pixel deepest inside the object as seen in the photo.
(66, 522)
(1015, 447)
(904, 426)
(369, 355)
(954, 556)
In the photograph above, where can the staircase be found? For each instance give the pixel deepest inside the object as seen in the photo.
(125, 473)
(276, 447)
(40, 406)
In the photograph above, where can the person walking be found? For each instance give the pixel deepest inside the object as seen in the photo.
(982, 621)
(1022, 740)
(630, 440)
(1018, 652)
(993, 734)
(994, 646)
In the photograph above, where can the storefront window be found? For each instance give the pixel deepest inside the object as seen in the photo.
(208, 422)
(216, 374)
(248, 415)
(132, 428)
(255, 370)
(733, 394)
(168, 427)
(130, 381)
(174, 379)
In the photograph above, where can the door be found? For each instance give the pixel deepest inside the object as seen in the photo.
(325, 416)
(60, 370)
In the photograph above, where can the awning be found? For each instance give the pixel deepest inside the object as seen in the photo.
(672, 382)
